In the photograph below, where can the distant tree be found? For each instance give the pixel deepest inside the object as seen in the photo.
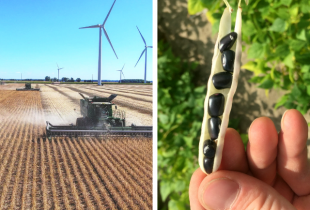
(71, 80)
(65, 79)
(47, 78)
(78, 79)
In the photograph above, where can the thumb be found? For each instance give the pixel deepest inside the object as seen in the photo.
(234, 190)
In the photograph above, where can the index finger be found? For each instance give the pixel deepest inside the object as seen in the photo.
(195, 182)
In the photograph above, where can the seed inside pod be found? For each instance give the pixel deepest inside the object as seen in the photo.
(208, 164)
(209, 148)
(216, 105)
(222, 80)
(228, 60)
(227, 41)
(214, 124)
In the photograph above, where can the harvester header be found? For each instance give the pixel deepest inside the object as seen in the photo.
(99, 118)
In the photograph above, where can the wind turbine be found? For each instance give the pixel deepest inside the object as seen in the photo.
(144, 51)
(58, 71)
(120, 74)
(106, 35)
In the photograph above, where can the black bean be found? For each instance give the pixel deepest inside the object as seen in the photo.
(208, 164)
(227, 41)
(209, 148)
(222, 80)
(228, 59)
(214, 124)
(216, 105)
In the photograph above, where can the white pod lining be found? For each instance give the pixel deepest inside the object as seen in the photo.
(225, 28)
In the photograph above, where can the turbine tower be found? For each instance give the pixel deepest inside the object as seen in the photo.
(144, 51)
(58, 71)
(120, 74)
(106, 35)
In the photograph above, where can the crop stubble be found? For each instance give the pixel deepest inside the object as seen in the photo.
(70, 173)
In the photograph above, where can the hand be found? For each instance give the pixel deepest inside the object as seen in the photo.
(274, 172)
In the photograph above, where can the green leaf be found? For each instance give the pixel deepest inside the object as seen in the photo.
(296, 91)
(176, 205)
(305, 69)
(188, 141)
(303, 59)
(289, 60)
(267, 83)
(286, 2)
(302, 35)
(278, 25)
(308, 90)
(165, 189)
(194, 6)
(257, 50)
(281, 101)
(282, 50)
(296, 44)
(248, 28)
(283, 13)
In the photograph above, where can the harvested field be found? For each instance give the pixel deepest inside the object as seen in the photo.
(72, 173)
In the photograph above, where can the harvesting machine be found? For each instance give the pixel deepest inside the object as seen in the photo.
(99, 119)
(28, 87)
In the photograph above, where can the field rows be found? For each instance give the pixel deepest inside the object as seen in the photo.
(63, 172)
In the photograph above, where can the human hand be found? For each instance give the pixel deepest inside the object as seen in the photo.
(274, 172)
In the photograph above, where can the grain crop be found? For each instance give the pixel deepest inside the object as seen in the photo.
(104, 172)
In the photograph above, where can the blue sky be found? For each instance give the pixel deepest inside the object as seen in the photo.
(35, 35)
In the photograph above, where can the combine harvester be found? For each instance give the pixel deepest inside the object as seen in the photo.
(99, 119)
(28, 87)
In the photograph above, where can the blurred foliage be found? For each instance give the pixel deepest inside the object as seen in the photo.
(180, 113)
(277, 33)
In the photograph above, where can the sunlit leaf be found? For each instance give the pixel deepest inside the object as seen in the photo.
(278, 25)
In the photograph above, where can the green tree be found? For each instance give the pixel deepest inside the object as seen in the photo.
(78, 79)
(47, 78)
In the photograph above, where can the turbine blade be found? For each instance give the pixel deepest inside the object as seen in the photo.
(141, 36)
(150, 46)
(106, 35)
(94, 26)
(123, 74)
(123, 66)
(140, 56)
(105, 20)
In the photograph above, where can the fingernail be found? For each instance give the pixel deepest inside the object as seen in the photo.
(283, 117)
(220, 194)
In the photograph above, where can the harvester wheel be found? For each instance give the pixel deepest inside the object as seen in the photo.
(80, 121)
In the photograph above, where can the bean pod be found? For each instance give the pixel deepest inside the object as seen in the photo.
(222, 85)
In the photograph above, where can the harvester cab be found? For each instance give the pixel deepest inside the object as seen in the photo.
(98, 113)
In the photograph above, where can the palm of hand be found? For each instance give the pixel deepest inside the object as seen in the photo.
(274, 172)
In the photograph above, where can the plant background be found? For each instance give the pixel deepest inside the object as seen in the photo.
(275, 77)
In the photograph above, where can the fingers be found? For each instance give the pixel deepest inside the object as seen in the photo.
(235, 190)
(234, 156)
(293, 164)
(195, 182)
(262, 150)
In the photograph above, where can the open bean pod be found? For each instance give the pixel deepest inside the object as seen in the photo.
(222, 85)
